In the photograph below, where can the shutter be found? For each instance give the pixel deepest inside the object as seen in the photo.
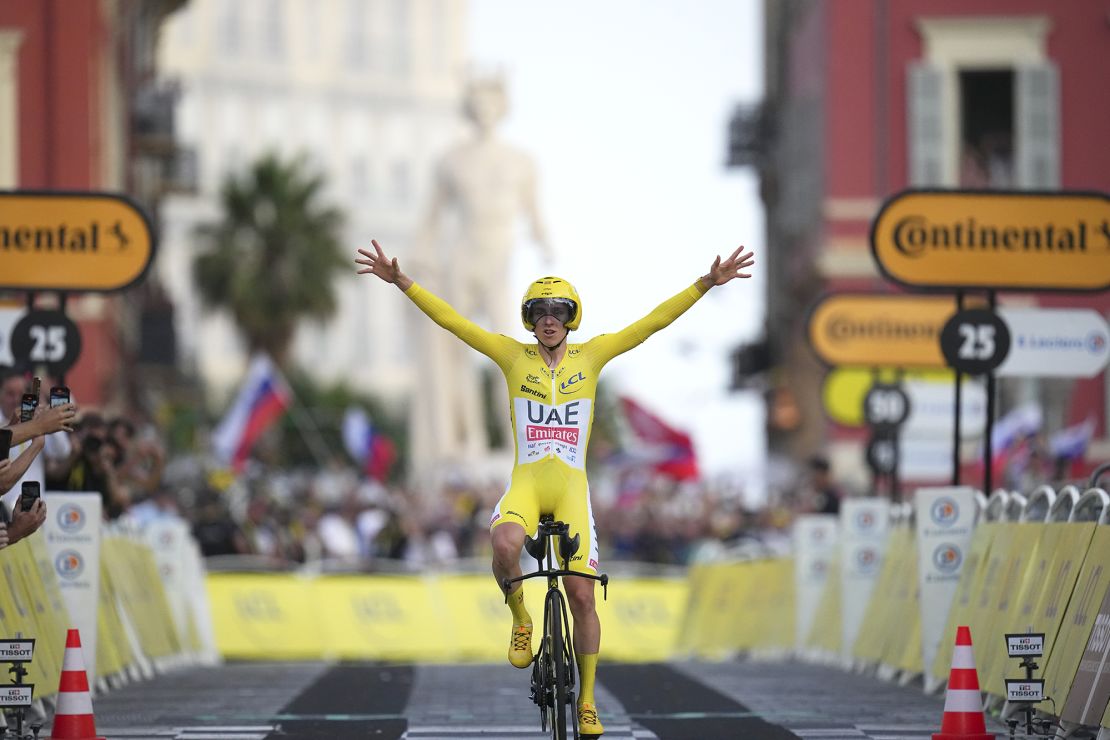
(925, 140)
(1037, 145)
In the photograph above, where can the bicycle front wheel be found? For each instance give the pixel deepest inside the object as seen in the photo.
(554, 614)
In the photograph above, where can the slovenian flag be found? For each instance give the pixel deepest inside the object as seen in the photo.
(667, 450)
(262, 400)
(372, 450)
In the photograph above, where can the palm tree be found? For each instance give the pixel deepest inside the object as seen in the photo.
(271, 260)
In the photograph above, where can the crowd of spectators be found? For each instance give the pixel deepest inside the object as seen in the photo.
(337, 518)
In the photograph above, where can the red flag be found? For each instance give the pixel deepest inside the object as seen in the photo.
(381, 458)
(668, 450)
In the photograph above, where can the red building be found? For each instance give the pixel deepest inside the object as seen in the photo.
(71, 72)
(868, 97)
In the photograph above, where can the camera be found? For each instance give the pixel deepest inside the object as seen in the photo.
(31, 492)
(59, 396)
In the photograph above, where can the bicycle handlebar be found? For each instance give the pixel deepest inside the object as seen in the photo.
(507, 583)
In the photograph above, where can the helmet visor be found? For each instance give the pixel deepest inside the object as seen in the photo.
(560, 308)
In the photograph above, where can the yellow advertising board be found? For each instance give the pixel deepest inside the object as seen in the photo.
(98, 242)
(994, 240)
(879, 330)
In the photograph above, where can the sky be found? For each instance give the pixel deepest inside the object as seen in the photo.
(624, 105)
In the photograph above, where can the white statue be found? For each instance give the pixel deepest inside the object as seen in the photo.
(482, 188)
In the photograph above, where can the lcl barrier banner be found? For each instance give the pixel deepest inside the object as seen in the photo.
(72, 534)
(945, 519)
(815, 542)
(1075, 613)
(864, 523)
(283, 616)
(1090, 691)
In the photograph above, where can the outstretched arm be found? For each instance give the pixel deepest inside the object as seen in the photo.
(495, 346)
(608, 346)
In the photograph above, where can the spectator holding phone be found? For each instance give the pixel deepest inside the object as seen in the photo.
(22, 521)
(46, 429)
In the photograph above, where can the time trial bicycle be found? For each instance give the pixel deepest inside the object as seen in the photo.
(553, 667)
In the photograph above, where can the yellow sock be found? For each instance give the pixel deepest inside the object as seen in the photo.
(587, 667)
(516, 605)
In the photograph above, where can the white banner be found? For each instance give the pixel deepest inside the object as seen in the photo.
(815, 537)
(864, 525)
(1055, 342)
(72, 533)
(945, 519)
(933, 408)
(167, 538)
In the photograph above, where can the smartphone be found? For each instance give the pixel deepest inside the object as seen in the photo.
(31, 492)
(59, 396)
(27, 407)
(5, 443)
(30, 401)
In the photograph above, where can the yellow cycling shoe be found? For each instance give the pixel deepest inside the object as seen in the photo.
(588, 723)
(520, 646)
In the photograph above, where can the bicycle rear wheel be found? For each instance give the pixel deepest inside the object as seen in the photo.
(554, 611)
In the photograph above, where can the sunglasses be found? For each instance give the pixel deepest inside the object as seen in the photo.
(559, 308)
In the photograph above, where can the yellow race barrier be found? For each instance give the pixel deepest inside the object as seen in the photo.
(1049, 576)
(968, 593)
(825, 634)
(1078, 609)
(419, 618)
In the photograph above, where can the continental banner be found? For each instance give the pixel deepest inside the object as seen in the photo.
(420, 618)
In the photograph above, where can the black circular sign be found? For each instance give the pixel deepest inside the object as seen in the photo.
(975, 341)
(882, 454)
(886, 406)
(46, 338)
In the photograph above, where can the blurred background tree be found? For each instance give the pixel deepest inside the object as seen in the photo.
(270, 262)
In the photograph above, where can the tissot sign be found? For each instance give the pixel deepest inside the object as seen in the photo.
(995, 240)
(76, 242)
(879, 330)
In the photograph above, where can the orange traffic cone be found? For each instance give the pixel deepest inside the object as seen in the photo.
(73, 719)
(963, 704)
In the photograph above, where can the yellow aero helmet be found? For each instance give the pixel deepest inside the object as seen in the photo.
(551, 290)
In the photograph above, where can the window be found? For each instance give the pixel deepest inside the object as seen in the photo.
(274, 29)
(360, 178)
(983, 105)
(986, 129)
(354, 50)
(401, 180)
(230, 31)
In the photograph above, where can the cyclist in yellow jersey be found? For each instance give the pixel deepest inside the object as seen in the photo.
(551, 393)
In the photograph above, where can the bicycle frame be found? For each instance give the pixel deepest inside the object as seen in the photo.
(547, 692)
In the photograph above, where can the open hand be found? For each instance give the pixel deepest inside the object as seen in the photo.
(385, 268)
(723, 271)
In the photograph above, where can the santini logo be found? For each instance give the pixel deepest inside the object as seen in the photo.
(532, 392)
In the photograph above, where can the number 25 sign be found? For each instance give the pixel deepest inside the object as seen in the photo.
(975, 341)
(46, 338)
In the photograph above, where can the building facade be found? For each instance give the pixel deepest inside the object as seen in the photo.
(368, 92)
(71, 74)
(865, 99)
